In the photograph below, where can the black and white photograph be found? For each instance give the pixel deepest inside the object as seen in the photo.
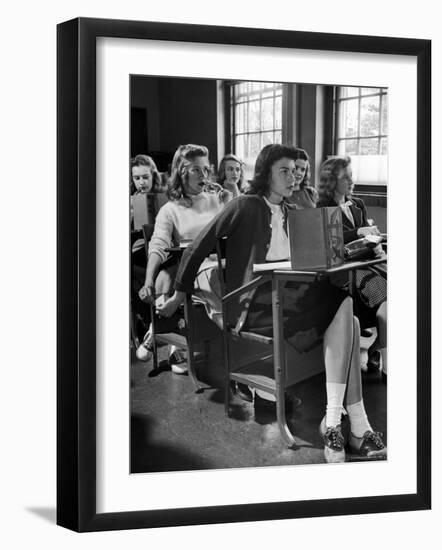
(210, 210)
(232, 236)
(258, 273)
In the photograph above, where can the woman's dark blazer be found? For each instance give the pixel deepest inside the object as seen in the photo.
(359, 212)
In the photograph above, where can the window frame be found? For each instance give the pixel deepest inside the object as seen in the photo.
(230, 103)
(382, 93)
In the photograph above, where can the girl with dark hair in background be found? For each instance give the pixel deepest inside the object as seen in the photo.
(304, 195)
(144, 179)
(144, 176)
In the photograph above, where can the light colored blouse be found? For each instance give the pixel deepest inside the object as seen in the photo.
(345, 207)
(279, 248)
(176, 221)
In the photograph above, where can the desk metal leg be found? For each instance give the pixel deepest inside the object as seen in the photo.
(351, 282)
(279, 359)
(188, 315)
(153, 335)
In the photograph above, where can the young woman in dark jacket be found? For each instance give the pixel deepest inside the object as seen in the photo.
(335, 188)
(254, 226)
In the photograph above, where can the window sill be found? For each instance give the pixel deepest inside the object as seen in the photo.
(370, 189)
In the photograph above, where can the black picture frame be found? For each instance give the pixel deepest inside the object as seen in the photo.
(76, 273)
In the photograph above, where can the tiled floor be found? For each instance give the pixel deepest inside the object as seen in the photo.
(173, 428)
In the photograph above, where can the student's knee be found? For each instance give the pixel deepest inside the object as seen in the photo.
(381, 314)
(347, 306)
(356, 326)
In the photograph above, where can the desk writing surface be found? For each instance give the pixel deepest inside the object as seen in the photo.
(287, 266)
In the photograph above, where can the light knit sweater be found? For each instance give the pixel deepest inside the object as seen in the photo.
(176, 221)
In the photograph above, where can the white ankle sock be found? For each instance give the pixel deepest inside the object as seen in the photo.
(359, 423)
(335, 398)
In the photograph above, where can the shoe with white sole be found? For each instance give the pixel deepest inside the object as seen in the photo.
(334, 443)
(144, 351)
(177, 361)
(370, 445)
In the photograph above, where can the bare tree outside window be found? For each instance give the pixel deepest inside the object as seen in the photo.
(362, 131)
(256, 118)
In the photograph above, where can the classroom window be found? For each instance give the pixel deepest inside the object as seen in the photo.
(256, 119)
(362, 131)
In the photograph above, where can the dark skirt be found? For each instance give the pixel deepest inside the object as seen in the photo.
(308, 309)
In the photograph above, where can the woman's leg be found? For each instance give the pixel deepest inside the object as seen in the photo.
(338, 354)
(363, 439)
(338, 351)
(163, 289)
(354, 381)
(354, 403)
(381, 318)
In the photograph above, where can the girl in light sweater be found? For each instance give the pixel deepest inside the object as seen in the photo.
(189, 210)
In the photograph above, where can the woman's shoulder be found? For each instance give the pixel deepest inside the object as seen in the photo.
(205, 196)
(206, 201)
(246, 199)
(169, 209)
(311, 191)
(325, 202)
(358, 202)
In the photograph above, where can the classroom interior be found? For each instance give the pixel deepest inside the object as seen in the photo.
(173, 428)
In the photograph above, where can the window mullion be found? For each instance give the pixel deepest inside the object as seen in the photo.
(358, 142)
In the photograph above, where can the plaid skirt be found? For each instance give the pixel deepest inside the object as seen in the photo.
(371, 292)
(371, 287)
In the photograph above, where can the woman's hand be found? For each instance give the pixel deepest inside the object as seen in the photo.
(147, 294)
(168, 308)
(369, 230)
(232, 187)
(378, 251)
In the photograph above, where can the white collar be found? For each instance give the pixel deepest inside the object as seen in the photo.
(274, 208)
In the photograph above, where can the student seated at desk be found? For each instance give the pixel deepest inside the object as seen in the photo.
(188, 211)
(335, 188)
(144, 179)
(255, 228)
(231, 174)
(304, 195)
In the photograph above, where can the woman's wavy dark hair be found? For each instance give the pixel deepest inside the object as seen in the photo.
(222, 170)
(145, 160)
(270, 154)
(328, 176)
(178, 177)
(302, 154)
